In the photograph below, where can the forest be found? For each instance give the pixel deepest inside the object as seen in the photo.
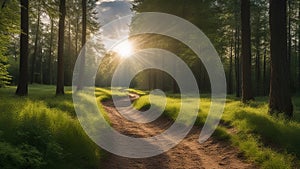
(45, 72)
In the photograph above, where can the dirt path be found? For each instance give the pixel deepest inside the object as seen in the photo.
(189, 154)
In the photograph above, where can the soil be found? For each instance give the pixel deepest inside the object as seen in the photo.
(189, 154)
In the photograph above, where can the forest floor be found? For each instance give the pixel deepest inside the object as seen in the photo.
(213, 154)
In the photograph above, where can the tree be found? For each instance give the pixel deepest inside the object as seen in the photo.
(22, 88)
(246, 52)
(83, 40)
(60, 59)
(280, 96)
(230, 65)
(299, 43)
(35, 53)
(50, 60)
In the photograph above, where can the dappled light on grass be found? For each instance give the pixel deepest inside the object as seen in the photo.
(272, 142)
(46, 123)
(46, 131)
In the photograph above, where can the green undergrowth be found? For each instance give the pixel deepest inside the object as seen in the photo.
(41, 131)
(270, 142)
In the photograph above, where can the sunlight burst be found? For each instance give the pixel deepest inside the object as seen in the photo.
(124, 49)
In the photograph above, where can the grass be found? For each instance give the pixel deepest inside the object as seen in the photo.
(41, 131)
(270, 142)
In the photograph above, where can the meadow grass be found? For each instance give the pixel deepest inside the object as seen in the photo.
(270, 142)
(41, 131)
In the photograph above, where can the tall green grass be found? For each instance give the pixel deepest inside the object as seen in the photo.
(41, 131)
(270, 142)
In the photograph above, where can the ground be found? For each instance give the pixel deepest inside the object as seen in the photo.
(212, 154)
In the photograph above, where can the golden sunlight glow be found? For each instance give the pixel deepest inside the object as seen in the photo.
(124, 49)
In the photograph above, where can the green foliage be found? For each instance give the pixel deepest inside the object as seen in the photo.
(39, 133)
(271, 142)
(8, 28)
(5, 78)
(24, 156)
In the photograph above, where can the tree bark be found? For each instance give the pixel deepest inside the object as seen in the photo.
(230, 65)
(237, 63)
(280, 96)
(265, 72)
(60, 59)
(76, 35)
(246, 52)
(35, 53)
(257, 58)
(22, 89)
(289, 49)
(50, 53)
(83, 41)
(237, 48)
(299, 44)
(41, 62)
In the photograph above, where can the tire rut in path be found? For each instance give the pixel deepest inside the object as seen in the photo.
(189, 154)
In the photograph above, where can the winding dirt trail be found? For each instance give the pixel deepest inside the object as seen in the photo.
(189, 154)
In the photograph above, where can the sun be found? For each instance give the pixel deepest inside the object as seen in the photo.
(124, 49)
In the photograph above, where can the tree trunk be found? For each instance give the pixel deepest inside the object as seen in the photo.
(60, 59)
(35, 53)
(280, 96)
(50, 53)
(41, 62)
(83, 40)
(246, 52)
(237, 63)
(257, 58)
(76, 35)
(257, 65)
(230, 66)
(289, 49)
(22, 89)
(299, 44)
(265, 71)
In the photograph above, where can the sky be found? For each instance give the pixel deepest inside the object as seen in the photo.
(110, 10)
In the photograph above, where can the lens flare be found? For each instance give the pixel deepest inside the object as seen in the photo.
(124, 49)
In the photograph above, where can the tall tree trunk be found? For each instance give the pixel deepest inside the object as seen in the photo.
(76, 35)
(289, 34)
(69, 57)
(230, 65)
(70, 37)
(257, 62)
(60, 59)
(265, 71)
(257, 65)
(22, 89)
(35, 53)
(50, 53)
(299, 44)
(83, 40)
(41, 62)
(237, 48)
(237, 62)
(280, 95)
(246, 52)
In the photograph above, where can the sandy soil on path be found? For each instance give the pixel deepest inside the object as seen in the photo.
(189, 154)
